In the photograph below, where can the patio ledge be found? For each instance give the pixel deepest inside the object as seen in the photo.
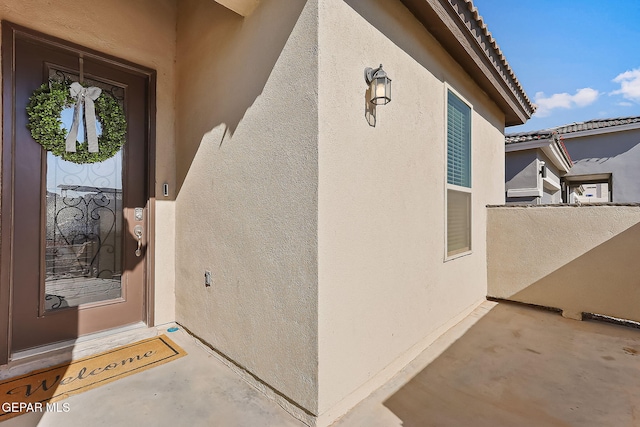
(564, 205)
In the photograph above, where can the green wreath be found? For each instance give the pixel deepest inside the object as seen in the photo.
(45, 123)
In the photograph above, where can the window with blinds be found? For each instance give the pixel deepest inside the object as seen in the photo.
(458, 142)
(458, 222)
(458, 176)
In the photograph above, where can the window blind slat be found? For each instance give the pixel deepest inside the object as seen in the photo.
(458, 222)
(458, 142)
(458, 173)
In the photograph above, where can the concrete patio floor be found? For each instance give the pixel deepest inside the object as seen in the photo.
(514, 365)
(504, 365)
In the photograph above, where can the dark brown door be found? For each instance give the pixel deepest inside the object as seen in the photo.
(74, 268)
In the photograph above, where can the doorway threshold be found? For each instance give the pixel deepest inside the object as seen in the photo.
(31, 359)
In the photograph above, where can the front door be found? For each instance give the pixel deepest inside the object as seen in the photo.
(78, 231)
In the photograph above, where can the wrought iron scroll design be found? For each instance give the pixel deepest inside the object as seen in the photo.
(116, 91)
(82, 232)
(84, 209)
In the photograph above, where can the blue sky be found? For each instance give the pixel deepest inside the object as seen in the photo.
(576, 59)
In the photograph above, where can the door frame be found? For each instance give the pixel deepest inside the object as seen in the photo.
(10, 32)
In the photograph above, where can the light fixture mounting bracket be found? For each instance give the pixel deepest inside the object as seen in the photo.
(369, 73)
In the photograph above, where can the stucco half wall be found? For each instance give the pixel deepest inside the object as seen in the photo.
(142, 32)
(385, 291)
(575, 258)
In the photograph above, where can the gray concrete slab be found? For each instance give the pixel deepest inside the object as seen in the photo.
(516, 366)
(504, 365)
(195, 390)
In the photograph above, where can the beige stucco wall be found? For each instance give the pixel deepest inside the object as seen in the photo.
(578, 259)
(241, 7)
(247, 176)
(385, 291)
(324, 236)
(143, 32)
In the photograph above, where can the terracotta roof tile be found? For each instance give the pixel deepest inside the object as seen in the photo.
(597, 124)
(494, 44)
(512, 138)
(528, 136)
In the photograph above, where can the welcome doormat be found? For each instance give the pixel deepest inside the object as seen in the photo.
(38, 390)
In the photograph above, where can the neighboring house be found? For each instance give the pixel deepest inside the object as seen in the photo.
(534, 165)
(605, 155)
(335, 251)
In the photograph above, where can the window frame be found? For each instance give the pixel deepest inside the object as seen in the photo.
(454, 187)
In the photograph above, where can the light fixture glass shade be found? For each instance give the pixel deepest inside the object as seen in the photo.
(378, 92)
(381, 90)
(379, 86)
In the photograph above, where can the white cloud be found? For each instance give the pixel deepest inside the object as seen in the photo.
(586, 96)
(582, 98)
(629, 85)
(625, 104)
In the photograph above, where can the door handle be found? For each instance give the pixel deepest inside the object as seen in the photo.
(137, 231)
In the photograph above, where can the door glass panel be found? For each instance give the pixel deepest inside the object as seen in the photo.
(84, 227)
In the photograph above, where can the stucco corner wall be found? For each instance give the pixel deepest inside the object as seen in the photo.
(615, 153)
(575, 258)
(247, 179)
(142, 32)
(384, 287)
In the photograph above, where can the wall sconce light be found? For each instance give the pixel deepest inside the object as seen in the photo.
(379, 85)
(543, 169)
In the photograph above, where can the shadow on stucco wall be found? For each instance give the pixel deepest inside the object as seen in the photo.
(577, 259)
(591, 149)
(398, 24)
(604, 280)
(617, 154)
(223, 64)
(403, 29)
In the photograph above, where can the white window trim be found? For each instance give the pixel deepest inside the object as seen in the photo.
(524, 192)
(447, 186)
(550, 184)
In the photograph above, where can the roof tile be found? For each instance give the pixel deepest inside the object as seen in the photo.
(512, 138)
(494, 44)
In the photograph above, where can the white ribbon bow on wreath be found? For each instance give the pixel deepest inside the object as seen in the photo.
(85, 97)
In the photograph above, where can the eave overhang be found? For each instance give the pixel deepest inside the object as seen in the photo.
(458, 27)
(551, 146)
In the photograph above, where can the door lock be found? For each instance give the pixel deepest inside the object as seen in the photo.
(138, 214)
(137, 231)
